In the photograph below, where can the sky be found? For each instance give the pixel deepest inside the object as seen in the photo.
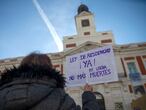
(23, 29)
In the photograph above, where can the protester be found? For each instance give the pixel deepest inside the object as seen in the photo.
(35, 85)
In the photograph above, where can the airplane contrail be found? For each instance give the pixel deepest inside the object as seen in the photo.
(49, 25)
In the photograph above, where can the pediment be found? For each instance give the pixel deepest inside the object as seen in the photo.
(89, 45)
(82, 48)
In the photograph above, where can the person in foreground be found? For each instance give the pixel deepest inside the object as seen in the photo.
(35, 85)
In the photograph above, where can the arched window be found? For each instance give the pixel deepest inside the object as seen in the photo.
(100, 100)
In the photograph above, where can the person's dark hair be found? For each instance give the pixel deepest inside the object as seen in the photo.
(34, 66)
(37, 59)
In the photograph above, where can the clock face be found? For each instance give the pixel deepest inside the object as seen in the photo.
(85, 22)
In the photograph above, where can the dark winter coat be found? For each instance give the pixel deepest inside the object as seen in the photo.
(38, 88)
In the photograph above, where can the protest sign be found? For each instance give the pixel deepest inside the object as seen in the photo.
(92, 67)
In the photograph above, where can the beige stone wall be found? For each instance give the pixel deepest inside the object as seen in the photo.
(115, 92)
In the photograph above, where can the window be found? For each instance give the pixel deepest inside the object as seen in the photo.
(100, 100)
(86, 33)
(106, 41)
(1, 61)
(130, 89)
(139, 89)
(70, 38)
(70, 45)
(133, 72)
(85, 22)
(104, 33)
(145, 85)
(13, 59)
(144, 56)
(132, 67)
(142, 45)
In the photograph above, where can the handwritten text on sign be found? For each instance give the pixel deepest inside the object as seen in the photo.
(94, 66)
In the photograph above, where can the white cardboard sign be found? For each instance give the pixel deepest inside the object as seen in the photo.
(92, 67)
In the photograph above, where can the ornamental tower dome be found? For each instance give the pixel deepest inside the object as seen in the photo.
(85, 24)
(82, 8)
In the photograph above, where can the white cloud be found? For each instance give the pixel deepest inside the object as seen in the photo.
(49, 26)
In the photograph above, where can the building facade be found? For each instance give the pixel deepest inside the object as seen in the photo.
(130, 62)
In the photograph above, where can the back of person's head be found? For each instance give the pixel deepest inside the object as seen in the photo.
(37, 59)
(41, 66)
(34, 66)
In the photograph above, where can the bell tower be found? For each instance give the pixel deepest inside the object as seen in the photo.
(84, 20)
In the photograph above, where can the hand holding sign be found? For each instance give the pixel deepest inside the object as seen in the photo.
(88, 87)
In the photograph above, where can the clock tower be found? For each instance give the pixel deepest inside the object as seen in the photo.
(85, 24)
(86, 31)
